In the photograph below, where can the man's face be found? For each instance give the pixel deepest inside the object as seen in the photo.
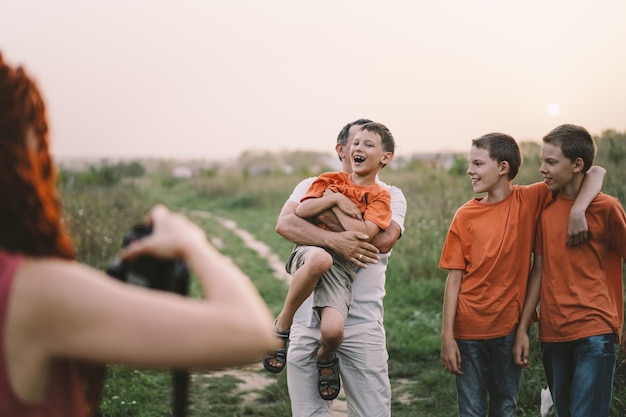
(344, 152)
(354, 129)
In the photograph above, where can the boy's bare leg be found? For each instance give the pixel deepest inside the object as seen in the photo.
(303, 282)
(331, 327)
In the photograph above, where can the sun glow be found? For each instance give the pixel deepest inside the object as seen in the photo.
(554, 109)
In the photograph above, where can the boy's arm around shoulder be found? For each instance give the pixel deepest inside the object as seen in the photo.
(577, 228)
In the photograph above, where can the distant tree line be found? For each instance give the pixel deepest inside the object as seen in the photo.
(104, 174)
(611, 155)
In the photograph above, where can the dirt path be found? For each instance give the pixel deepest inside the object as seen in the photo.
(254, 377)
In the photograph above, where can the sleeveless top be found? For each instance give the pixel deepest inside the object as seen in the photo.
(65, 396)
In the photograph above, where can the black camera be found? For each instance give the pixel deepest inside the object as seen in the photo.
(170, 275)
(160, 274)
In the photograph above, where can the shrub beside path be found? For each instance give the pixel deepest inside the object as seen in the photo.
(254, 377)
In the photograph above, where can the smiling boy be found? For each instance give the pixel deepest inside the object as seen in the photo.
(488, 254)
(580, 287)
(360, 204)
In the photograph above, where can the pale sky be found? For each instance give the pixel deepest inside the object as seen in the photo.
(210, 79)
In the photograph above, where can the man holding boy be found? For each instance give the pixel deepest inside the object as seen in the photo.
(580, 288)
(488, 254)
(363, 354)
(360, 204)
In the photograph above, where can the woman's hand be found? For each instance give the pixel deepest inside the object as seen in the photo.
(173, 236)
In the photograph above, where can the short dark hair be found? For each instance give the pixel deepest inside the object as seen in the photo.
(575, 142)
(389, 144)
(342, 138)
(501, 147)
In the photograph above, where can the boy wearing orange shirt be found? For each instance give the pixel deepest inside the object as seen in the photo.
(360, 204)
(580, 287)
(488, 254)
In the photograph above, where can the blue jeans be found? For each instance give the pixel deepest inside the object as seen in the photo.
(580, 375)
(488, 371)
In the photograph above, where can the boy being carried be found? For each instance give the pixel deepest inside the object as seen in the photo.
(360, 204)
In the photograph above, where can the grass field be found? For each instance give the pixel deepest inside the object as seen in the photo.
(99, 215)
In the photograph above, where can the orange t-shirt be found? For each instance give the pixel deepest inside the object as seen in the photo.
(492, 244)
(373, 201)
(581, 286)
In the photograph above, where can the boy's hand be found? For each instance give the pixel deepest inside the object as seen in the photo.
(451, 356)
(521, 349)
(344, 204)
(577, 229)
(330, 220)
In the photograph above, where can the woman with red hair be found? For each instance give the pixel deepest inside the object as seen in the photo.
(61, 322)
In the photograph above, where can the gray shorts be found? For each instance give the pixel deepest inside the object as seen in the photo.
(334, 288)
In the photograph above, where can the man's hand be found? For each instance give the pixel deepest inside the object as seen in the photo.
(577, 229)
(353, 247)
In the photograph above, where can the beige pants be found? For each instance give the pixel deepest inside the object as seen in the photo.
(362, 366)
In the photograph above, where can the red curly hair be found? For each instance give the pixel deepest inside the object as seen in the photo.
(30, 209)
